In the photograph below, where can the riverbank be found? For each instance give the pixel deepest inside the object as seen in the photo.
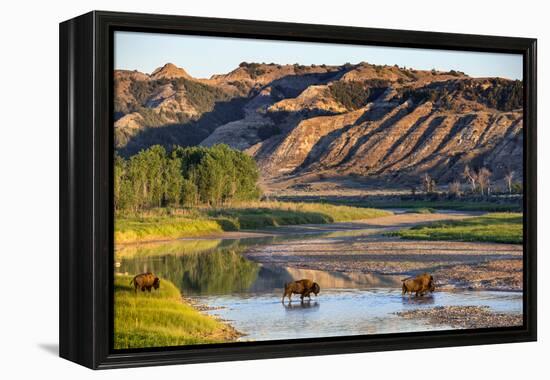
(385, 200)
(162, 318)
(464, 317)
(479, 266)
(501, 227)
(165, 224)
(366, 248)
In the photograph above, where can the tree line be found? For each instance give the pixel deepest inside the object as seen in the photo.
(184, 177)
(479, 181)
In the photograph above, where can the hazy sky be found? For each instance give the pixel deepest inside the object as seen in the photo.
(202, 57)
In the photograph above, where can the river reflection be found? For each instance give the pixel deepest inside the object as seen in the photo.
(200, 268)
(301, 306)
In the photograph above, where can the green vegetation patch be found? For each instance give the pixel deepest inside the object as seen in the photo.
(254, 215)
(129, 229)
(202, 96)
(183, 177)
(495, 227)
(421, 210)
(439, 205)
(159, 224)
(354, 94)
(501, 94)
(161, 318)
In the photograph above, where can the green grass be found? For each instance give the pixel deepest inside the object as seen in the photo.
(452, 205)
(162, 228)
(162, 224)
(420, 210)
(160, 318)
(495, 227)
(445, 205)
(256, 215)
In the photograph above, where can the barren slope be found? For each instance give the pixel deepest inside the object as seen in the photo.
(364, 123)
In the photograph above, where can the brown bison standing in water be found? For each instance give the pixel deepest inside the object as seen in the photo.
(420, 285)
(145, 281)
(302, 287)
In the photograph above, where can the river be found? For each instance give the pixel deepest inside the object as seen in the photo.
(240, 282)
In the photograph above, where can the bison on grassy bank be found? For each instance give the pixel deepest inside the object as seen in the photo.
(420, 285)
(145, 281)
(302, 287)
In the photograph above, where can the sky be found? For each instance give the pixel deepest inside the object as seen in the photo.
(202, 57)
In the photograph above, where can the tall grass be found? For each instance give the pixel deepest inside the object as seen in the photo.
(162, 228)
(495, 227)
(160, 319)
(164, 224)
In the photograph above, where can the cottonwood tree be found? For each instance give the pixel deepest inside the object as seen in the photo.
(471, 176)
(509, 178)
(484, 180)
(118, 177)
(186, 177)
(454, 188)
(428, 183)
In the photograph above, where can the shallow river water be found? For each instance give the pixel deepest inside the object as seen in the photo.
(247, 294)
(338, 312)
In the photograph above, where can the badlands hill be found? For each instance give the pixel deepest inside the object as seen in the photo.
(350, 124)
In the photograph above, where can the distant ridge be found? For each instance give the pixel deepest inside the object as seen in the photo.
(371, 123)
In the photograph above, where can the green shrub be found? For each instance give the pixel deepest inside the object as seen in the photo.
(354, 94)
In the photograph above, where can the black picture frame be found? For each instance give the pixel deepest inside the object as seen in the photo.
(86, 191)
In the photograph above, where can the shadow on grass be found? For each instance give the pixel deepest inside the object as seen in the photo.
(260, 217)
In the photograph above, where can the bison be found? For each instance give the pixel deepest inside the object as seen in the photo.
(302, 287)
(419, 285)
(145, 281)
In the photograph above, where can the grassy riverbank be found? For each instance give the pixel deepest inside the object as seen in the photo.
(384, 202)
(421, 210)
(161, 318)
(494, 227)
(163, 224)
